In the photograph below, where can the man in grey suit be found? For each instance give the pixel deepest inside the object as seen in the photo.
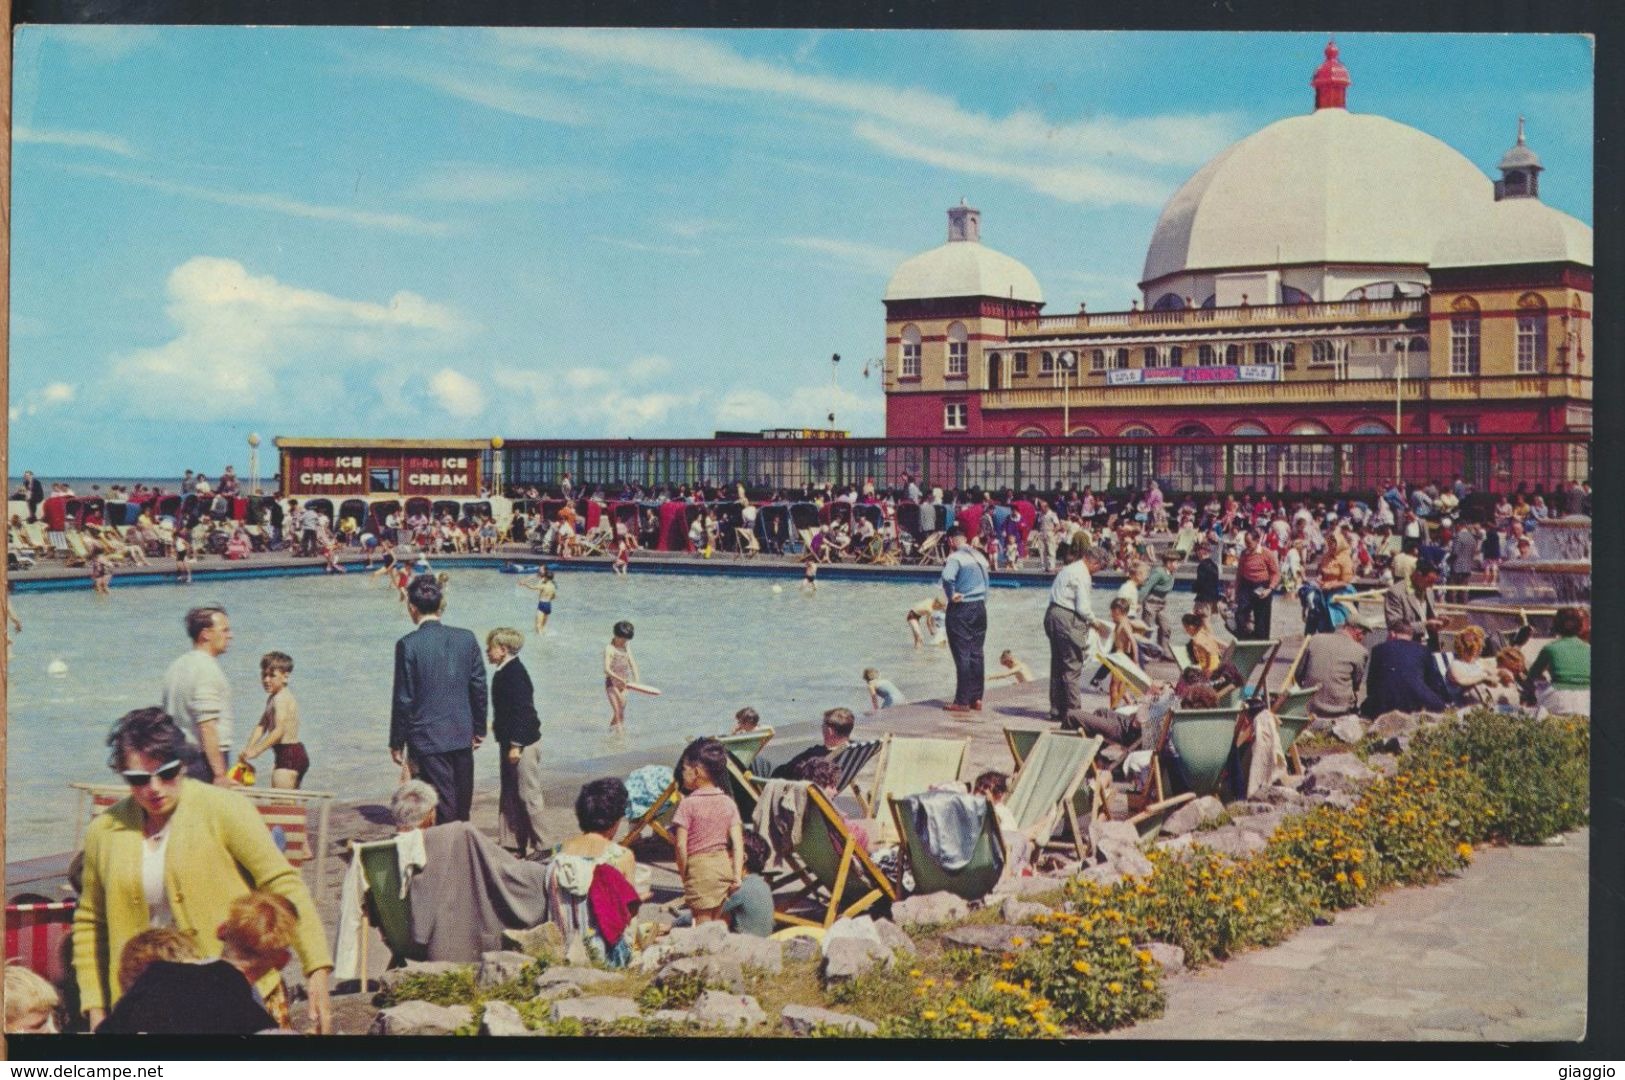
(437, 714)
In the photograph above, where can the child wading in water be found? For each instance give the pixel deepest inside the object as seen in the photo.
(710, 836)
(278, 729)
(542, 585)
(619, 669)
(183, 556)
(883, 693)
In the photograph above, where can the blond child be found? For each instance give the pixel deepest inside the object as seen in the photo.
(710, 840)
(1014, 668)
(159, 943)
(883, 693)
(921, 618)
(278, 729)
(31, 1003)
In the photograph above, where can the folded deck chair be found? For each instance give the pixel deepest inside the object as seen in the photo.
(1181, 656)
(971, 879)
(384, 906)
(1202, 738)
(746, 546)
(36, 936)
(908, 766)
(839, 877)
(1253, 657)
(1124, 667)
(1047, 788)
(1292, 717)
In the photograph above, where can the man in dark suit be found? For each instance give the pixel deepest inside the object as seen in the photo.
(437, 714)
(1403, 676)
(35, 495)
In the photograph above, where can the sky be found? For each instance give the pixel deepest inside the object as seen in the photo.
(464, 232)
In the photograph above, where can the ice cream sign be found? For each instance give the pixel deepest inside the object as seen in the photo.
(439, 474)
(335, 473)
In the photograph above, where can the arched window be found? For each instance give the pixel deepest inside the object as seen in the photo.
(1371, 427)
(1097, 360)
(1289, 356)
(1121, 362)
(1211, 301)
(1150, 357)
(1289, 295)
(1169, 302)
(1464, 336)
(1232, 354)
(1046, 364)
(1309, 427)
(1032, 433)
(1249, 429)
(1176, 356)
(1135, 431)
(1262, 353)
(1323, 352)
(1205, 356)
(1189, 430)
(958, 351)
(1084, 431)
(911, 352)
(1531, 334)
(994, 369)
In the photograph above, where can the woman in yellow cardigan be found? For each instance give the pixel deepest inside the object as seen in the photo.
(176, 853)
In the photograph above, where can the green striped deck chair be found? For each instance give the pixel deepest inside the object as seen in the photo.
(908, 766)
(1047, 787)
(742, 750)
(972, 881)
(838, 877)
(1202, 738)
(1124, 667)
(745, 747)
(384, 906)
(1020, 741)
(1292, 715)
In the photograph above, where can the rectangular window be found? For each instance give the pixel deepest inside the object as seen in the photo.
(1465, 425)
(1122, 360)
(1152, 358)
(1046, 364)
(1464, 346)
(958, 359)
(954, 416)
(1021, 364)
(1097, 360)
(380, 481)
(911, 360)
(1262, 354)
(1531, 344)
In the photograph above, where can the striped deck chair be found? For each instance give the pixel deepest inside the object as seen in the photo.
(742, 751)
(285, 814)
(930, 550)
(838, 877)
(975, 879)
(34, 533)
(1020, 741)
(37, 936)
(384, 907)
(1046, 789)
(746, 546)
(909, 765)
(851, 760)
(78, 550)
(1124, 667)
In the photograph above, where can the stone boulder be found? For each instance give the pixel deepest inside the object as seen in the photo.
(1176, 845)
(1193, 815)
(595, 1010)
(847, 958)
(803, 1019)
(503, 1020)
(747, 950)
(557, 982)
(1395, 729)
(1286, 798)
(393, 978)
(929, 909)
(1349, 729)
(798, 950)
(715, 1008)
(894, 937)
(1117, 843)
(716, 971)
(421, 1018)
(1336, 772)
(678, 1017)
(1383, 764)
(998, 938)
(1170, 957)
(1036, 885)
(1263, 824)
(1016, 910)
(699, 940)
(1107, 875)
(1232, 840)
(545, 941)
(500, 967)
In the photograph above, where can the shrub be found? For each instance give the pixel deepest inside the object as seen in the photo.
(1536, 773)
(1088, 969)
(985, 1007)
(446, 988)
(678, 992)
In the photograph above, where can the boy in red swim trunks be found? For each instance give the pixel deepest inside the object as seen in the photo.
(278, 729)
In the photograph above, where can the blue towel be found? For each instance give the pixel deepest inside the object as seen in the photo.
(950, 822)
(643, 787)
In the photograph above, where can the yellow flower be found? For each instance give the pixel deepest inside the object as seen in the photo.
(1148, 984)
(929, 1014)
(1340, 877)
(1047, 939)
(1115, 987)
(915, 973)
(1465, 850)
(930, 982)
(1239, 904)
(1359, 880)
(1010, 1021)
(1018, 941)
(1124, 941)
(1143, 956)
(1081, 966)
(963, 1025)
(1007, 965)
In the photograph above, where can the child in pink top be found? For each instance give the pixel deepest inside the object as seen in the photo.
(710, 835)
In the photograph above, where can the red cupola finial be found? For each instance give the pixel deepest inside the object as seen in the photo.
(1331, 81)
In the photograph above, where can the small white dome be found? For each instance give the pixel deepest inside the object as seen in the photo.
(1329, 187)
(963, 268)
(1515, 231)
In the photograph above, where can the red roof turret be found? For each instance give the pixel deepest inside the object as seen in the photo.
(1331, 81)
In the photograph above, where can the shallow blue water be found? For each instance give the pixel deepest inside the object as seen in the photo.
(712, 644)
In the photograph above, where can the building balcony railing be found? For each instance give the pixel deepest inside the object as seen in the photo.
(1214, 318)
(1302, 392)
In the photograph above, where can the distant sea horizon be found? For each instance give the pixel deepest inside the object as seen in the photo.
(82, 485)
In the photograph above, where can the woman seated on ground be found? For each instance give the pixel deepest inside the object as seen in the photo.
(135, 547)
(573, 872)
(1566, 663)
(1472, 678)
(239, 545)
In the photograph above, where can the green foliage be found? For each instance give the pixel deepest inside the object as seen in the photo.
(1536, 773)
(985, 1007)
(447, 988)
(679, 991)
(1089, 970)
(878, 991)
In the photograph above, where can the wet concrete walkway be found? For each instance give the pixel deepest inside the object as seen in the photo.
(1496, 955)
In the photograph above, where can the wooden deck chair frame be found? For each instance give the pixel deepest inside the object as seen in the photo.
(34, 533)
(398, 955)
(1064, 806)
(822, 815)
(851, 759)
(1260, 665)
(889, 750)
(930, 550)
(907, 851)
(746, 546)
(659, 813)
(656, 818)
(1132, 674)
(1020, 743)
(1291, 709)
(1148, 822)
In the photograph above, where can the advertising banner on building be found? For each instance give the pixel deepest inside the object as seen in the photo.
(440, 474)
(1230, 373)
(325, 474)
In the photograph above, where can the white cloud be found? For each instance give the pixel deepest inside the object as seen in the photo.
(238, 334)
(459, 395)
(586, 378)
(58, 393)
(277, 204)
(651, 249)
(83, 140)
(106, 42)
(804, 406)
(467, 182)
(593, 400)
(51, 395)
(647, 367)
(879, 260)
(689, 230)
(529, 104)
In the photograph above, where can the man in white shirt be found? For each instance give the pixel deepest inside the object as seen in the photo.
(1049, 528)
(1068, 623)
(198, 697)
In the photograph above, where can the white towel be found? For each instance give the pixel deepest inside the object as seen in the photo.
(410, 851)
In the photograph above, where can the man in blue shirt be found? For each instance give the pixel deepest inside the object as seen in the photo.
(964, 579)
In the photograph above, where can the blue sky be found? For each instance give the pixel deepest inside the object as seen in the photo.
(466, 232)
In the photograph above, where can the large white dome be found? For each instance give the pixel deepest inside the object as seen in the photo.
(1328, 187)
(963, 268)
(1518, 230)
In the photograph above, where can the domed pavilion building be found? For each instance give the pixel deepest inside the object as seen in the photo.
(1316, 278)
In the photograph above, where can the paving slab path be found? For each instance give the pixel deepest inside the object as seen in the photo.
(1495, 955)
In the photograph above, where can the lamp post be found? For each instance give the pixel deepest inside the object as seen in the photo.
(254, 463)
(1065, 365)
(834, 390)
(1399, 398)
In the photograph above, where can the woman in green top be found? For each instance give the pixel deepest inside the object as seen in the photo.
(1567, 663)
